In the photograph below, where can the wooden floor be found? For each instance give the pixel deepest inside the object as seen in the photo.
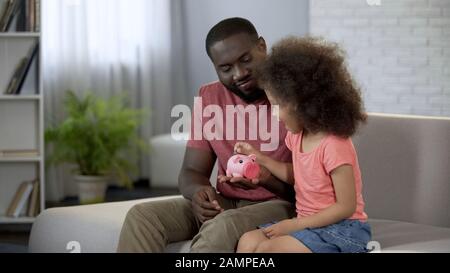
(14, 238)
(11, 235)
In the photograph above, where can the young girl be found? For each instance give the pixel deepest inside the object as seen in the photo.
(321, 108)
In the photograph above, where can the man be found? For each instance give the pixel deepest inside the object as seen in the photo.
(215, 220)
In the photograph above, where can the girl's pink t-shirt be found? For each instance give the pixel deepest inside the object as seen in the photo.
(312, 172)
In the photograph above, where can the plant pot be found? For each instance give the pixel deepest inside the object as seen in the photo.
(91, 189)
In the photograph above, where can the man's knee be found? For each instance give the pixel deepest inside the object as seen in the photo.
(141, 231)
(154, 212)
(135, 213)
(149, 227)
(140, 214)
(220, 233)
(229, 219)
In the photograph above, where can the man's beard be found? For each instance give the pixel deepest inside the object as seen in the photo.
(256, 94)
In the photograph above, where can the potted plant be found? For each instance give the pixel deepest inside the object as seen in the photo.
(98, 136)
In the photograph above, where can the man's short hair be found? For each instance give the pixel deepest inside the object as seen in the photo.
(227, 28)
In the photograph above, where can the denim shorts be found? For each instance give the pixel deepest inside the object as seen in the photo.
(347, 236)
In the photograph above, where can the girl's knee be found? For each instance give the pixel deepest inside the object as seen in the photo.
(264, 247)
(281, 245)
(248, 242)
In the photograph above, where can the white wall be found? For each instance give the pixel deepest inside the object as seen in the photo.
(273, 20)
(399, 51)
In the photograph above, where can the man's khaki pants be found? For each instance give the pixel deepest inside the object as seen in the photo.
(150, 226)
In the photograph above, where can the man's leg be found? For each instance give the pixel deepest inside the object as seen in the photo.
(222, 233)
(150, 226)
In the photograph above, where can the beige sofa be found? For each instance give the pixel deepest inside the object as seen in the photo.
(406, 176)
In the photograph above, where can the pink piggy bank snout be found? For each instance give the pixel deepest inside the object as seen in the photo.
(251, 170)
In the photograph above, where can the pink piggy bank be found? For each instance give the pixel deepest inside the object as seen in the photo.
(243, 166)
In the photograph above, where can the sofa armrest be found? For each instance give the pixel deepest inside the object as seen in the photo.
(166, 159)
(95, 227)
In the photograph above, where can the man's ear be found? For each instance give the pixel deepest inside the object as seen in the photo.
(262, 44)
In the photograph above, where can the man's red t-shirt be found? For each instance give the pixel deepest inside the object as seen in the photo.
(216, 99)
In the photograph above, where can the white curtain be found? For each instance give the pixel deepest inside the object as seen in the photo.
(113, 46)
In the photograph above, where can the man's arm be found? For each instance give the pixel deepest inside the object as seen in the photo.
(194, 183)
(195, 171)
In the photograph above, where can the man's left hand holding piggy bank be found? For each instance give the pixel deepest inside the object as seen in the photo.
(244, 148)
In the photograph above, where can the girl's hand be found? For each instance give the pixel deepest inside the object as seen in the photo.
(246, 149)
(284, 227)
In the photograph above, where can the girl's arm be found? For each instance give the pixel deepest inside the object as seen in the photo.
(281, 170)
(345, 206)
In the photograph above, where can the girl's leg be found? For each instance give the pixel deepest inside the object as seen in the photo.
(282, 244)
(250, 241)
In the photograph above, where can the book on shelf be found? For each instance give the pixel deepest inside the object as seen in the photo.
(30, 16)
(24, 14)
(21, 17)
(33, 204)
(21, 71)
(18, 206)
(19, 153)
(37, 15)
(10, 9)
(4, 9)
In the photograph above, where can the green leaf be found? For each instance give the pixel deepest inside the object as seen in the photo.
(95, 135)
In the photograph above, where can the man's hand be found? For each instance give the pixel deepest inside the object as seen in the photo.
(205, 205)
(244, 183)
(284, 227)
(239, 182)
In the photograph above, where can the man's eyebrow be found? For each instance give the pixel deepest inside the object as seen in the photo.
(244, 55)
(240, 57)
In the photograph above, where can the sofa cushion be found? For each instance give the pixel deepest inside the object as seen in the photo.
(97, 229)
(392, 236)
(396, 236)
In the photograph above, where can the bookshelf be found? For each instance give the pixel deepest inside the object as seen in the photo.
(21, 115)
(20, 35)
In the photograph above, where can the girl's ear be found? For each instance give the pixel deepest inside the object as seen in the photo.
(252, 157)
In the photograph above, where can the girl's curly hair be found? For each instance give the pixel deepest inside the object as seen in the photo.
(310, 75)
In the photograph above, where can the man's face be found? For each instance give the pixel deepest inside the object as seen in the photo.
(235, 59)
